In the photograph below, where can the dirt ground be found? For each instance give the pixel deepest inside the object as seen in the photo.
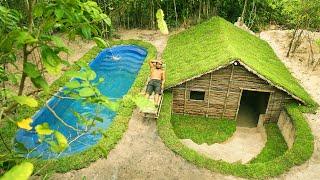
(310, 80)
(142, 155)
(248, 141)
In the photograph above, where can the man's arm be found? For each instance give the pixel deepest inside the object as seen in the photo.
(163, 79)
(151, 64)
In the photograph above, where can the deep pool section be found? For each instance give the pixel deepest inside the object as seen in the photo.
(119, 67)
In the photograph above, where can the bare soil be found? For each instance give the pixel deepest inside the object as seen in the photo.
(142, 155)
(310, 80)
(245, 144)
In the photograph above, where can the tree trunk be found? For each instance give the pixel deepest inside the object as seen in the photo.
(199, 13)
(4, 87)
(175, 12)
(297, 43)
(291, 41)
(30, 4)
(24, 75)
(243, 12)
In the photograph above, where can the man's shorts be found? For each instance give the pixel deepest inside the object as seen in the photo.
(154, 85)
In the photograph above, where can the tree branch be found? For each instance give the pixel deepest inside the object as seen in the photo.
(61, 120)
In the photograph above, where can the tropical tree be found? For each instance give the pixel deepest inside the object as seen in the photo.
(34, 26)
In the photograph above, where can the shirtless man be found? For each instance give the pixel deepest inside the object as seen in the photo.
(156, 83)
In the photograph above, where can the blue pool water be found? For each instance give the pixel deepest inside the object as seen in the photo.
(118, 74)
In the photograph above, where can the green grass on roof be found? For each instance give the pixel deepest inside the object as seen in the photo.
(217, 42)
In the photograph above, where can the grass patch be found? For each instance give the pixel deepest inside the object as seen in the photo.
(301, 150)
(201, 129)
(276, 145)
(110, 136)
(217, 42)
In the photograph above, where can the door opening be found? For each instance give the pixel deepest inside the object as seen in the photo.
(252, 104)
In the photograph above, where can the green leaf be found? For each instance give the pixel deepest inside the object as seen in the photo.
(13, 78)
(41, 83)
(20, 147)
(97, 118)
(86, 92)
(58, 41)
(60, 144)
(31, 70)
(26, 100)
(110, 104)
(86, 31)
(22, 172)
(51, 60)
(59, 13)
(106, 19)
(25, 38)
(100, 42)
(43, 129)
(91, 75)
(73, 84)
(38, 10)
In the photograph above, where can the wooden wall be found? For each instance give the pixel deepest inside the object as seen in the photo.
(223, 90)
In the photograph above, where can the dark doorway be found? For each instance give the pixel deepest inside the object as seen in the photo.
(252, 104)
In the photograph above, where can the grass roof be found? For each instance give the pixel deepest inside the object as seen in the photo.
(216, 43)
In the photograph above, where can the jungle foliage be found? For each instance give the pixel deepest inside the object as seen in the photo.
(257, 13)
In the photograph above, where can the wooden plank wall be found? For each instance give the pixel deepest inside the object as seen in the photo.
(223, 103)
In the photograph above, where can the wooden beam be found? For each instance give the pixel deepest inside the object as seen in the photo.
(185, 98)
(258, 90)
(208, 99)
(269, 104)
(229, 85)
(239, 101)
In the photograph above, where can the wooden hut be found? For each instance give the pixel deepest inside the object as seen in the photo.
(214, 69)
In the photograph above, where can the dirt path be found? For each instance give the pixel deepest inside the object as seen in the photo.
(153, 37)
(141, 155)
(247, 142)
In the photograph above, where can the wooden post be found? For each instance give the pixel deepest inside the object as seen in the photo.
(185, 98)
(228, 92)
(269, 104)
(241, 90)
(208, 99)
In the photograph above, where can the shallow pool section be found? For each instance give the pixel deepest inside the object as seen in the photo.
(119, 67)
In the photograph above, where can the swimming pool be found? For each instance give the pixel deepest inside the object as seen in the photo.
(118, 73)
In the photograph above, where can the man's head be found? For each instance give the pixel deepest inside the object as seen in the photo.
(158, 65)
